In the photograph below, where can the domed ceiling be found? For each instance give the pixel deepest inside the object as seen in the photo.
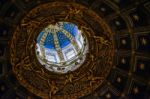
(61, 47)
(74, 49)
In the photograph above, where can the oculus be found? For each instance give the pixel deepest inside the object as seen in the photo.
(61, 47)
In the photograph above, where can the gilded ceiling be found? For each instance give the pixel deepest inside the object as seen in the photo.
(117, 63)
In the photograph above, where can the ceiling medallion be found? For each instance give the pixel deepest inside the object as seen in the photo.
(38, 73)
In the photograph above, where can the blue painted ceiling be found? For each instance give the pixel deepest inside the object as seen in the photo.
(62, 38)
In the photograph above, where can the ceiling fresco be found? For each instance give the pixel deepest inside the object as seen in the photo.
(117, 62)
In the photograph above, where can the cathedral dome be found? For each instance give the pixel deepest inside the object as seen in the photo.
(61, 47)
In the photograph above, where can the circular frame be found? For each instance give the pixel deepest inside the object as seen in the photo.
(70, 64)
(74, 84)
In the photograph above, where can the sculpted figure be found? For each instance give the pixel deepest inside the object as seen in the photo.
(53, 88)
(102, 40)
(72, 12)
(69, 79)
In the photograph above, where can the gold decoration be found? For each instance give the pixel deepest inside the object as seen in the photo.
(72, 13)
(144, 41)
(101, 40)
(142, 66)
(25, 63)
(53, 88)
(93, 78)
(47, 84)
(136, 17)
(135, 90)
(69, 79)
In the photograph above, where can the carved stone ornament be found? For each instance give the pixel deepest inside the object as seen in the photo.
(38, 80)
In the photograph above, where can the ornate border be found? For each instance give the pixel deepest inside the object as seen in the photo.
(75, 84)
